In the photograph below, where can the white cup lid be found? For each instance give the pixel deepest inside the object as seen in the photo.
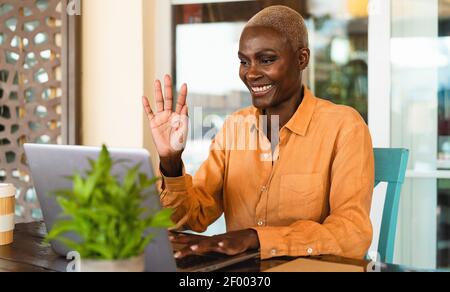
(7, 190)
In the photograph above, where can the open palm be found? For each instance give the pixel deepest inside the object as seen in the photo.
(169, 128)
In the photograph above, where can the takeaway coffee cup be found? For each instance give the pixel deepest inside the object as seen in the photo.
(7, 202)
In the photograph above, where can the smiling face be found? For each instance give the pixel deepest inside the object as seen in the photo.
(270, 67)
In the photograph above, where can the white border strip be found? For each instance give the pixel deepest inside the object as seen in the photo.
(380, 72)
(7, 191)
(7, 223)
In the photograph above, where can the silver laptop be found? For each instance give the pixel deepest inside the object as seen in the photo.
(51, 164)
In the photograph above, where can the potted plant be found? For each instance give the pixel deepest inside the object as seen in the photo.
(108, 217)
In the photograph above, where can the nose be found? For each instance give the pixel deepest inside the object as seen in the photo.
(253, 73)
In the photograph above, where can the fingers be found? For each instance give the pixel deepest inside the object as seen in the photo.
(202, 247)
(185, 239)
(213, 244)
(159, 97)
(181, 103)
(148, 109)
(229, 248)
(185, 111)
(231, 244)
(168, 102)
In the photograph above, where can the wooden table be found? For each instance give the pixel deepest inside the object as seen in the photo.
(28, 253)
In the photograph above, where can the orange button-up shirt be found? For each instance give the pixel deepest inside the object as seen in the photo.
(311, 196)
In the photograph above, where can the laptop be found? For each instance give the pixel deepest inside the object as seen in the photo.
(51, 164)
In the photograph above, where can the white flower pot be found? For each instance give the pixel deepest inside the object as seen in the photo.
(136, 264)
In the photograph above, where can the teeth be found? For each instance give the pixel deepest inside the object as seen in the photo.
(261, 88)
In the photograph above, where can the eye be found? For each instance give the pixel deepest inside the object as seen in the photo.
(268, 60)
(244, 63)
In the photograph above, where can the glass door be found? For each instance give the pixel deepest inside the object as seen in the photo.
(420, 92)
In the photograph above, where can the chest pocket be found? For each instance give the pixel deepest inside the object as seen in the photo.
(301, 197)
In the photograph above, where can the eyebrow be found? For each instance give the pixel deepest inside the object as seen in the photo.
(260, 52)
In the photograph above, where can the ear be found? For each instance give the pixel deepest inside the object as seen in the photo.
(303, 58)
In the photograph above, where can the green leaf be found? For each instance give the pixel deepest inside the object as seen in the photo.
(145, 243)
(162, 219)
(69, 207)
(60, 228)
(145, 182)
(104, 161)
(64, 193)
(131, 247)
(102, 250)
(78, 186)
(72, 245)
(130, 178)
(92, 163)
(91, 182)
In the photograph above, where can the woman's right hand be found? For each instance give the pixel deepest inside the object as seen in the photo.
(169, 128)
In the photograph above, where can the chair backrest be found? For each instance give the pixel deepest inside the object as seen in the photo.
(390, 167)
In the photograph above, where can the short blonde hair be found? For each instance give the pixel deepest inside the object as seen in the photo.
(286, 21)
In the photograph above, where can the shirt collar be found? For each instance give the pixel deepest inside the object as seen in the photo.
(300, 121)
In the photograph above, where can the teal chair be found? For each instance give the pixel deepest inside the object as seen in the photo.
(390, 167)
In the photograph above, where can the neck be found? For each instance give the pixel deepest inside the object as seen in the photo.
(287, 109)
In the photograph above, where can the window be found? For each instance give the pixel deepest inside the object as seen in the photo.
(420, 61)
(338, 69)
(443, 212)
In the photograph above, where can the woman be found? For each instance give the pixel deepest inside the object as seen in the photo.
(304, 191)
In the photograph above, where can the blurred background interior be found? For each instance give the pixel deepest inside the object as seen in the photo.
(78, 79)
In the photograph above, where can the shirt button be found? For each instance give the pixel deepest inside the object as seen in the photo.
(310, 251)
(273, 252)
(264, 189)
(261, 223)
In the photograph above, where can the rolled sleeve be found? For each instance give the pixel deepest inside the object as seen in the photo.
(273, 242)
(175, 184)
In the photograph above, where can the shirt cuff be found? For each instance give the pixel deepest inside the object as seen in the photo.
(273, 243)
(175, 184)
